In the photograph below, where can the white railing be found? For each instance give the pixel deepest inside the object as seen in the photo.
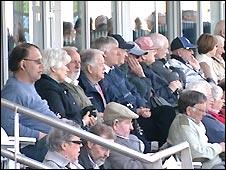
(155, 159)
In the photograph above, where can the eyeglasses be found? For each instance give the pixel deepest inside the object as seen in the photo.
(38, 61)
(79, 142)
(201, 110)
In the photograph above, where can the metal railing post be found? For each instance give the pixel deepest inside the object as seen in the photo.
(16, 134)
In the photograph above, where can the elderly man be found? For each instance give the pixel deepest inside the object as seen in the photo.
(159, 84)
(71, 83)
(119, 117)
(92, 71)
(187, 126)
(26, 65)
(182, 57)
(220, 28)
(161, 66)
(115, 85)
(215, 130)
(93, 156)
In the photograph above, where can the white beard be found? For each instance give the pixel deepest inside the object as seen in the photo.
(75, 75)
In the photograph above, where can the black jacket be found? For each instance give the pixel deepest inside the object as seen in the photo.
(59, 99)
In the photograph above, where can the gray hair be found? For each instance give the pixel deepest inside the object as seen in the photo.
(158, 40)
(57, 136)
(217, 92)
(200, 86)
(104, 43)
(88, 57)
(220, 39)
(219, 27)
(54, 57)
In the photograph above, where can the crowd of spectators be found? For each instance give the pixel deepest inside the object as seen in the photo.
(132, 93)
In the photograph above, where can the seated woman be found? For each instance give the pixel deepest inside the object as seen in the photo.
(187, 126)
(207, 47)
(64, 149)
(218, 103)
(59, 99)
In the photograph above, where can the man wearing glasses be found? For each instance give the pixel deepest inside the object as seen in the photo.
(187, 126)
(64, 148)
(26, 65)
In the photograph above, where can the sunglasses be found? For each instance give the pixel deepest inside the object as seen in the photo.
(79, 142)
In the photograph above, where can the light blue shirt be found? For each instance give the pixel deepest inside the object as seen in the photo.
(24, 94)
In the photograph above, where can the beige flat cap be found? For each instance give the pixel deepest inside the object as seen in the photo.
(115, 110)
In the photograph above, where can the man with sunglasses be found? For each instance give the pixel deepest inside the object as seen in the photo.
(63, 148)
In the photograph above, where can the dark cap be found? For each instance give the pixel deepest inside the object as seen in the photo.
(122, 43)
(181, 42)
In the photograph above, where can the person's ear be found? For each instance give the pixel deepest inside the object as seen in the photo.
(189, 109)
(22, 64)
(89, 69)
(90, 144)
(53, 69)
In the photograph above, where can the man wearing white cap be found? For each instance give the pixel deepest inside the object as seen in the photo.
(120, 117)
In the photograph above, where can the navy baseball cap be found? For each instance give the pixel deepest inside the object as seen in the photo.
(122, 43)
(181, 42)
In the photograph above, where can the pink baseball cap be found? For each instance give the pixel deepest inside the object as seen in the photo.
(145, 43)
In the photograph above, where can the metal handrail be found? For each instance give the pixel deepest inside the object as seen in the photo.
(154, 159)
(24, 160)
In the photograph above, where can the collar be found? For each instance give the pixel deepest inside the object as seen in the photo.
(94, 165)
(107, 68)
(123, 137)
(56, 157)
(173, 56)
(69, 80)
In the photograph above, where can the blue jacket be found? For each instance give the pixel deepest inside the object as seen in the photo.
(160, 85)
(59, 99)
(215, 130)
(117, 88)
(91, 92)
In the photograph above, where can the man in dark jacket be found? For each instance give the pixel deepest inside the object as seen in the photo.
(92, 156)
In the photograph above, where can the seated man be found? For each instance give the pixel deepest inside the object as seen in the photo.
(187, 126)
(120, 117)
(159, 84)
(161, 65)
(215, 130)
(117, 87)
(63, 148)
(92, 156)
(183, 59)
(26, 65)
(92, 71)
(71, 83)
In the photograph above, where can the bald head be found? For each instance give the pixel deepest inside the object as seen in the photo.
(162, 43)
(220, 28)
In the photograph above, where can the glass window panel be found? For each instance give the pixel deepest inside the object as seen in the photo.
(141, 13)
(69, 32)
(100, 20)
(189, 20)
(206, 16)
(161, 8)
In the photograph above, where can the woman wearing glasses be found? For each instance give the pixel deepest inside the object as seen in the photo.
(64, 149)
